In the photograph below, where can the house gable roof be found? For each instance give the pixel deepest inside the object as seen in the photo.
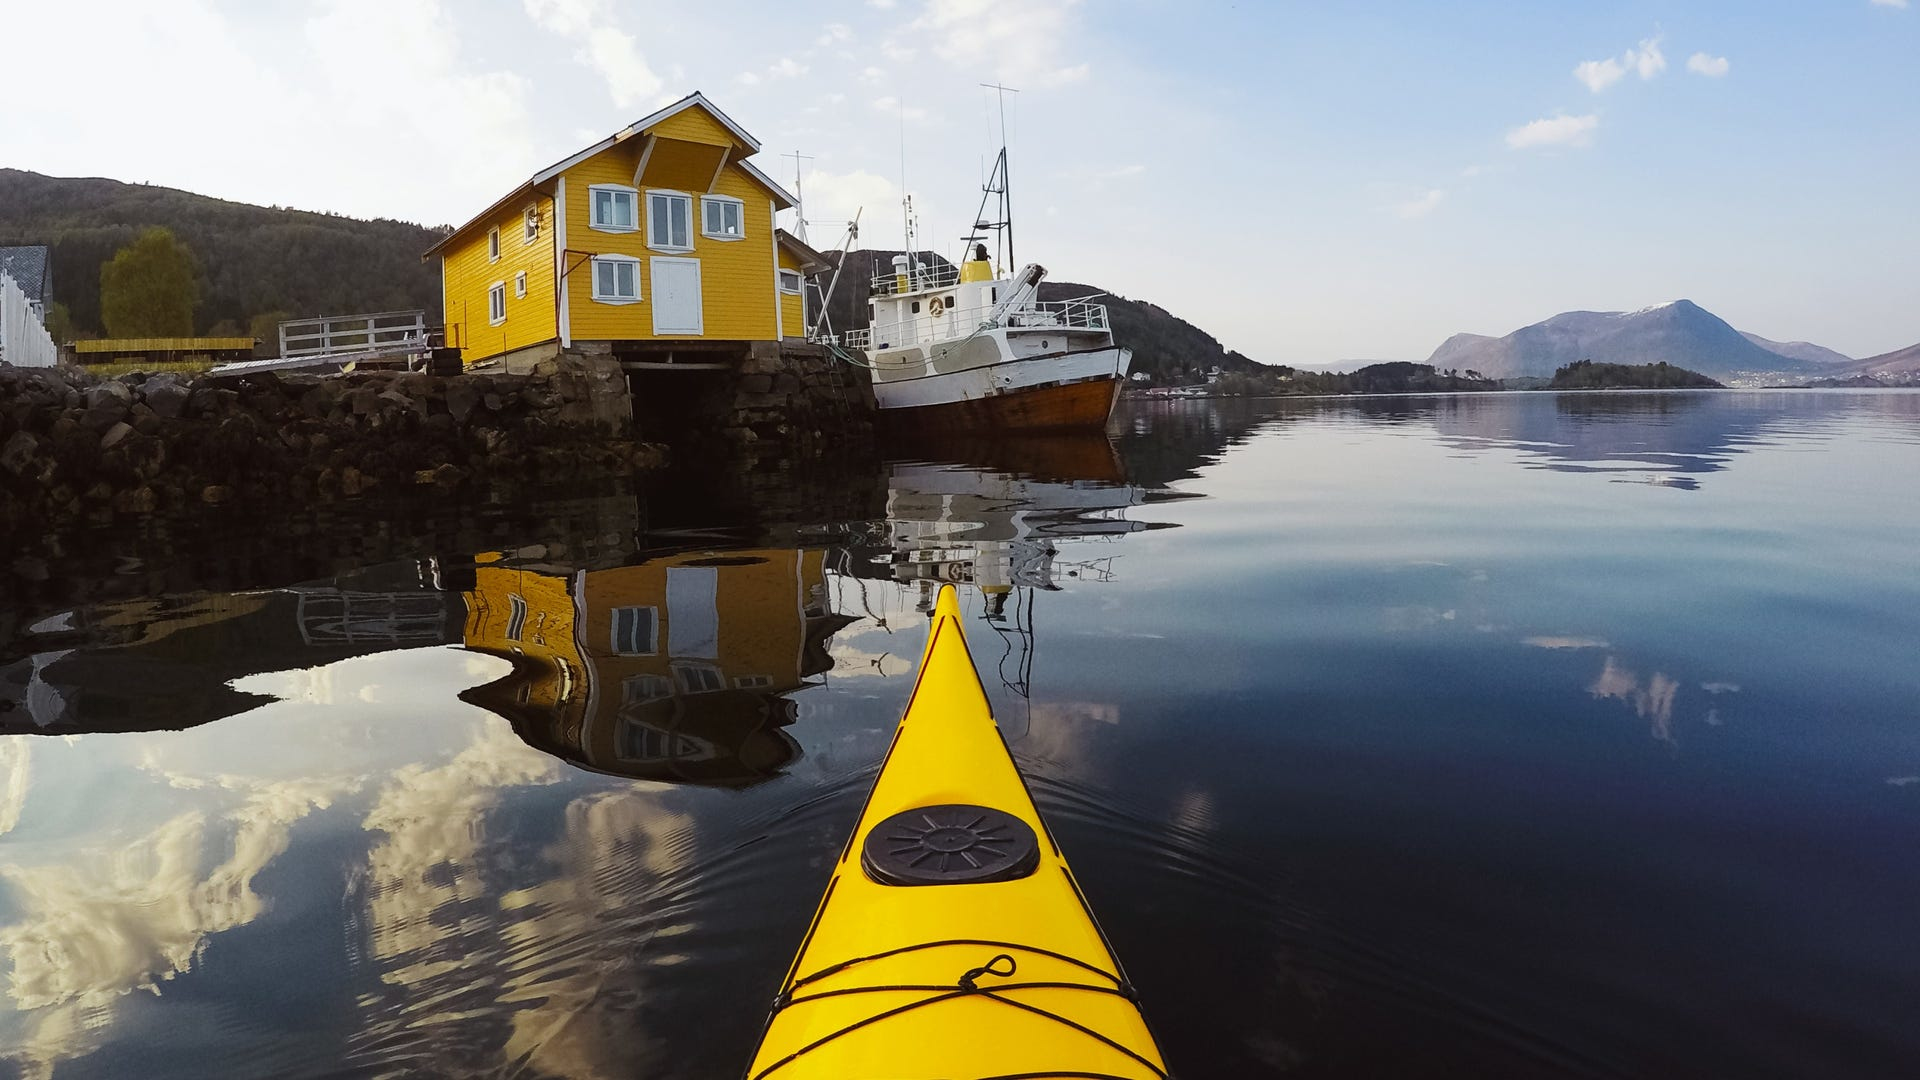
(810, 260)
(748, 143)
(27, 266)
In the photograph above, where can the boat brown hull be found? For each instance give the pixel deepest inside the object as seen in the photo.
(1083, 405)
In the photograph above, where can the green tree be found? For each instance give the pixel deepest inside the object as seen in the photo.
(148, 288)
(264, 328)
(59, 323)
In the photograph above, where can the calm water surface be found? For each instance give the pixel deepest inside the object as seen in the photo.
(1504, 735)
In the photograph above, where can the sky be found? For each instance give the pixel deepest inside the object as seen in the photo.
(1312, 183)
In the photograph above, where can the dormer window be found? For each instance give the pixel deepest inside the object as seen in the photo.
(723, 217)
(613, 208)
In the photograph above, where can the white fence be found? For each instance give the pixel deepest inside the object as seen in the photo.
(23, 341)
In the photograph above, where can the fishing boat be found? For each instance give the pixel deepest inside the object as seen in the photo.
(953, 941)
(960, 347)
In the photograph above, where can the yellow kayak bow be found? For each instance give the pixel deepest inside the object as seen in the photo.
(952, 941)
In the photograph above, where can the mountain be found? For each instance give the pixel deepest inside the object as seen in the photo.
(1902, 365)
(1799, 350)
(254, 260)
(1164, 345)
(1681, 333)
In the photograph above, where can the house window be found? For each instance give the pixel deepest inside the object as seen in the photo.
(516, 618)
(616, 279)
(752, 682)
(640, 689)
(636, 631)
(493, 245)
(520, 285)
(723, 217)
(698, 678)
(612, 208)
(497, 303)
(790, 281)
(530, 224)
(669, 221)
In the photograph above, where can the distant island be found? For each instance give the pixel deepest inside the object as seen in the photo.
(1587, 375)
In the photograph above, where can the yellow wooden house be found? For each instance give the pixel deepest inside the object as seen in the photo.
(676, 669)
(656, 242)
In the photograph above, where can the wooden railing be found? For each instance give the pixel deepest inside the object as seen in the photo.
(385, 333)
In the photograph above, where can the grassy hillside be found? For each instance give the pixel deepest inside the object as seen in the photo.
(253, 260)
(1164, 345)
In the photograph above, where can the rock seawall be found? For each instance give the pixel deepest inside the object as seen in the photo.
(75, 447)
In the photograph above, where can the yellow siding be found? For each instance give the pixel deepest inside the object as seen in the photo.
(694, 125)
(736, 276)
(178, 344)
(467, 273)
(545, 626)
(793, 314)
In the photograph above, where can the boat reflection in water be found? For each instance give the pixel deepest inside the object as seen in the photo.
(676, 669)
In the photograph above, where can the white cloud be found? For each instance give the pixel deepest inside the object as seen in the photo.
(1122, 171)
(1600, 74)
(1889, 3)
(883, 5)
(833, 32)
(747, 78)
(1018, 44)
(835, 196)
(1421, 206)
(603, 46)
(1644, 59)
(1555, 131)
(786, 68)
(1711, 66)
(872, 74)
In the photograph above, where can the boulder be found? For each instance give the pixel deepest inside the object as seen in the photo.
(107, 404)
(462, 396)
(166, 395)
(116, 435)
(18, 453)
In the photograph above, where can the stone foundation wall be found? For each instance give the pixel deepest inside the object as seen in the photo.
(795, 401)
(73, 446)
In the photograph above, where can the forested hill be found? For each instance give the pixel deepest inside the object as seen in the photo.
(1164, 345)
(253, 260)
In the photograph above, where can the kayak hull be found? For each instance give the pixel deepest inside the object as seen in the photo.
(974, 979)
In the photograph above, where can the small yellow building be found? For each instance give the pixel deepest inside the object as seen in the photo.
(676, 669)
(655, 242)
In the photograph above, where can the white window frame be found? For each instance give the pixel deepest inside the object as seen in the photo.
(790, 275)
(530, 223)
(593, 279)
(652, 642)
(493, 245)
(593, 207)
(723, 201)
(684, 199)
(496, 303)
(520, 285)
(697, 677)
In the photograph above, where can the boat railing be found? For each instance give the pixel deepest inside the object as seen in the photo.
(956, 323)
(886, 282)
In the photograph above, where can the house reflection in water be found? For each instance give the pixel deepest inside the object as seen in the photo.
(676, 669)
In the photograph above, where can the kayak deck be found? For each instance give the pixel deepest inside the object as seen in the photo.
(996, 970)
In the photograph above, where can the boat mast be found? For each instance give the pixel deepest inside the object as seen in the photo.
(1006, 175)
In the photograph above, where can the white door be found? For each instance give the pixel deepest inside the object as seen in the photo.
(676, 296)
(693, 612)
